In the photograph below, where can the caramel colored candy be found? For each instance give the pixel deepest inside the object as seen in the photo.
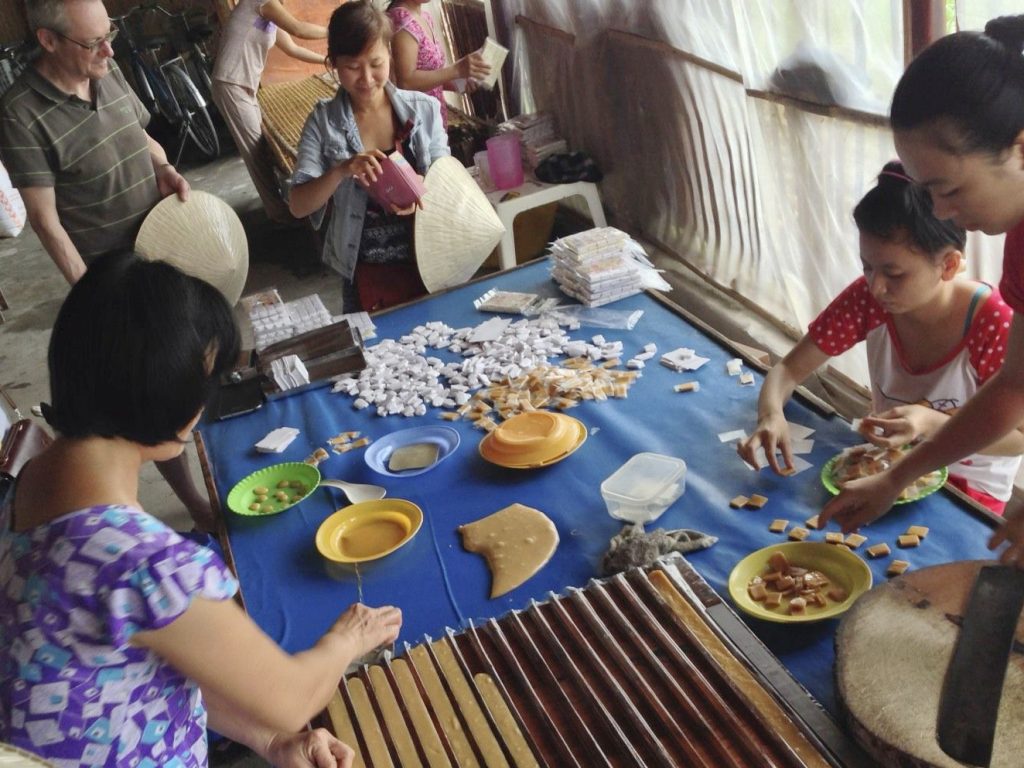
(879, 550)
(756, 501)
(896, 567)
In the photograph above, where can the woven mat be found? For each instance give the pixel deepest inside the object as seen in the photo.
(285, 107)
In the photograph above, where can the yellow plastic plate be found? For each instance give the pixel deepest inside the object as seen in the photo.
(842, 567)
(368, 530)
(540, 456)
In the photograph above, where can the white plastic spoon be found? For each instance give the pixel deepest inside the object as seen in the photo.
(357, 492)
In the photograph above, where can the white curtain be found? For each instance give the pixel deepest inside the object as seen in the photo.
(736, 134)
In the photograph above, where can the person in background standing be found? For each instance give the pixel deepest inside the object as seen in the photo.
(419, 56)
(340, 150)
(254, 28)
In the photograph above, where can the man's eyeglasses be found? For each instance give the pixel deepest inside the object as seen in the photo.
(93, 46)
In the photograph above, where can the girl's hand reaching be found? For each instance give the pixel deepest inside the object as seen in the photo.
(772, 434)
(862, 501)
(900, 426)
(1013, 532)
(363, 628)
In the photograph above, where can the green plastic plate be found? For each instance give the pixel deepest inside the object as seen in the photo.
(302, 480)
(829, 481)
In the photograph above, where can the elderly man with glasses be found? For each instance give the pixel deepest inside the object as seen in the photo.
(72, 136)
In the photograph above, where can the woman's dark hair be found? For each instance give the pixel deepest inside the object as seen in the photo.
(130, 354)
(354, 26)
(897, 208)
(969, 86)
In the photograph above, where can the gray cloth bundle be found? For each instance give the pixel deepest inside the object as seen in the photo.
(632, 547)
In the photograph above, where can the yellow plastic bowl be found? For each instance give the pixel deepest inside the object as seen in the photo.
(842, 567)
(368, 530)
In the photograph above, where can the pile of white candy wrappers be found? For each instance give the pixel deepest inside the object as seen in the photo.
(402, 378)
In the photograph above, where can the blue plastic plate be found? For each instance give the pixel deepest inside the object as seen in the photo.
(377, 455)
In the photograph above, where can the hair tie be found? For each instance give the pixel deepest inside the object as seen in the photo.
(896, 175)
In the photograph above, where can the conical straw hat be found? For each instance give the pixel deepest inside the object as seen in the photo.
(457, 228)
(202, 237)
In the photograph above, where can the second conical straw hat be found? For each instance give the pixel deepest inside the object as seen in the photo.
(202, 237)
(457, 228)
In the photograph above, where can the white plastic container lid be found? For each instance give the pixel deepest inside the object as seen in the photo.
(644, 487)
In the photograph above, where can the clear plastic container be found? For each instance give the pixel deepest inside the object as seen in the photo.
(644, 487)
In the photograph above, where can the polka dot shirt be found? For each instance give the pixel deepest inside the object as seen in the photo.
(855, 313)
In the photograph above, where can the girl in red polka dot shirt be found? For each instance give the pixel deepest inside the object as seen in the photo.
(932, 339)
(958, 123)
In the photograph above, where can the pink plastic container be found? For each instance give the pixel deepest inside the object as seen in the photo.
(505, 161)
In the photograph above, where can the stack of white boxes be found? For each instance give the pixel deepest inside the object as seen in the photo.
(596, 267)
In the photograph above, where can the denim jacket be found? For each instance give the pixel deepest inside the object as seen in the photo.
(331, 136)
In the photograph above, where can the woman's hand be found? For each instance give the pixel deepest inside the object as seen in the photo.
(772, 434)
(862, 501)
(365, 629)
(309, 749)
(365, 167)
(409, 211)
(1013, 532)
(473, 67)
(900, 426)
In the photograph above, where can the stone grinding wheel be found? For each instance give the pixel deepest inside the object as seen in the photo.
(892, 651)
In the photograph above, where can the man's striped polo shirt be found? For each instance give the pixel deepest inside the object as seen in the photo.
(95, 156)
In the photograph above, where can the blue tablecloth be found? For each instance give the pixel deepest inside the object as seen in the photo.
(294, 596)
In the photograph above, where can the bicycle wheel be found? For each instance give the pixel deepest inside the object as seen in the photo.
(204, 81)
(143, 85)
(195, 115)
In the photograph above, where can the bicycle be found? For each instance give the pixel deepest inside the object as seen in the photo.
(13, 60)
(190, 44)
(165, 86)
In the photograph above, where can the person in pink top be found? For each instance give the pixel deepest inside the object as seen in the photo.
(419, 55)
(958, 122)
(933, 339)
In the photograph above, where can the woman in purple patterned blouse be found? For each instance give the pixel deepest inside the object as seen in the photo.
(119, 640)
(419, 55)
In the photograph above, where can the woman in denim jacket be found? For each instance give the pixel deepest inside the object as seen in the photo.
(339, 155)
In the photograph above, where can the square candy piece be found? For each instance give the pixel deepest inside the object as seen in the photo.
(908, 540)
(756, 501)
(738, 501)
(799, 534)
(879, 550)
(917, 530)
(833, 538)
(778, 526)
(896, 567)
(415, 456)
(854, 540)
(812, 523)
